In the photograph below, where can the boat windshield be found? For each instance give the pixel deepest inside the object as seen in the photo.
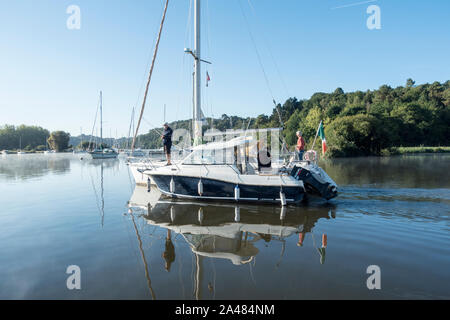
(211, 156)
(219, 153)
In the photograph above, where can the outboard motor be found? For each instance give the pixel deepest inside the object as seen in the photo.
(315, 180)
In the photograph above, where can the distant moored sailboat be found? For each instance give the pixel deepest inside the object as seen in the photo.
(99, 152)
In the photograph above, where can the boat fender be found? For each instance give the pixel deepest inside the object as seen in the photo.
(283, 213)
(282, 198)
(237, 193)
(200, 187)
(172, 186)
(200, 215)
(237, 214)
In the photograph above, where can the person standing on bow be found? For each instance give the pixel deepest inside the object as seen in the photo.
(301, 144)
(167, 141)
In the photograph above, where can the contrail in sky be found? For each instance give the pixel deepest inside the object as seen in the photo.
(353, 4)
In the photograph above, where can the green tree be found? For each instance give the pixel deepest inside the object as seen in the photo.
(59, 140)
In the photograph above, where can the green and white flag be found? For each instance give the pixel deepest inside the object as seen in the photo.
(322, 136)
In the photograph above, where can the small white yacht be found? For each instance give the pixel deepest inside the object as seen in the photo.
(102, 153)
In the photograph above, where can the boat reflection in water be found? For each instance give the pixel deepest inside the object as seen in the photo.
(224, 231)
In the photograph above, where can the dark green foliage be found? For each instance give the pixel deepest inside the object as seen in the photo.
(359, 123)
(59, 140)
(356, 123)
(30, 136)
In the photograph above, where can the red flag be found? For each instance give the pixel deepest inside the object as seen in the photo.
(207, 78)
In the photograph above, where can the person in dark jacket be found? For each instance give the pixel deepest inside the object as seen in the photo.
(167, 141)
(169, 251)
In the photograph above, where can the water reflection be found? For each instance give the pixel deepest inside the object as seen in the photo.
(410, 171)
(28, 166)
(99, 194)
(227, 232)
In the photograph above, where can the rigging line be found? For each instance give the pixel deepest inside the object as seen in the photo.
(93, 126)
(208, 30)
(180, 277)
(256, 50)
(150, 74)
(133, 249)
(270, 51)
(183, 60)
(146, 67)
(102, 195)
(188, 25)
(95, 192)
(147, 274)
(154, 127)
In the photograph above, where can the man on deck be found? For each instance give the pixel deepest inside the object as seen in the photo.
(167, 141)
(300, 145)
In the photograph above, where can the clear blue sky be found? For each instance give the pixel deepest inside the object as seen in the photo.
(51, 76)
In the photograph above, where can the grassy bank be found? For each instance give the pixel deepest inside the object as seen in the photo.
(421, 149)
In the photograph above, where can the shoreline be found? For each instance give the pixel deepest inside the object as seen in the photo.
(415, 150)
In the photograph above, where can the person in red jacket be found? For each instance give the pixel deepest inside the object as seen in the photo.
(301, 144)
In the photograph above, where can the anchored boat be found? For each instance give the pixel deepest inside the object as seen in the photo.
(102, 153)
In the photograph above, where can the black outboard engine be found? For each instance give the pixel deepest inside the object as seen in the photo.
(315, 180)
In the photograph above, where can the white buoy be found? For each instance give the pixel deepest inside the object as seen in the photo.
(200, 215)
(172, 186)
(283, 213)
(200, 187)
(237, 193)
(282, 198)
(237, 214)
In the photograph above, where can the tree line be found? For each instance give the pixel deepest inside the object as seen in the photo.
(32, 138)
(356, 123)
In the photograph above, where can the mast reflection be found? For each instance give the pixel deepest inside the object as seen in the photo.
(225, 231)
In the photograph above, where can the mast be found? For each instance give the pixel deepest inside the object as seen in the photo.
(197, 70)
(81, 136)
(101, 121)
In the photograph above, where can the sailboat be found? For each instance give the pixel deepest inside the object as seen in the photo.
(100, 152)
(227, 171)
(20, 146)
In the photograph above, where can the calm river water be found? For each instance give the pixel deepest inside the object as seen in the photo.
(57, 211)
